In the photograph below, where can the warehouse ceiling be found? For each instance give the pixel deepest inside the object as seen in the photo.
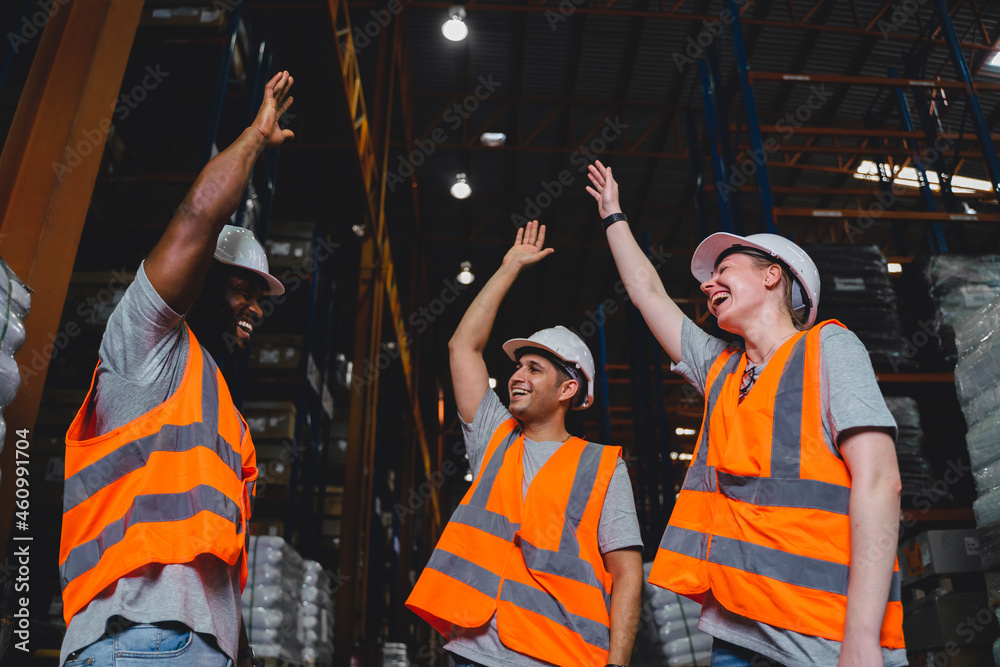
(565, 81)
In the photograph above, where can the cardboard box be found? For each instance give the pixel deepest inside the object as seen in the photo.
(270, 419)
(333, 501)
(963, 656)
(937, 552)
(279, 352)
(274, 527)
(962, 619)
(290, 245)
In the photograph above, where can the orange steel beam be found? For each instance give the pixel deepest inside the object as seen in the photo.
(378, 286)
(47, 174)
(866, 80)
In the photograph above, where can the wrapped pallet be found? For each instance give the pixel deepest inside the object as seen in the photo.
(669, 633)
(15, 301)
(858, 291)
(316, 615)
(272, 598)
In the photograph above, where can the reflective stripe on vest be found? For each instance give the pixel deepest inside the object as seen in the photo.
(793, 511)
(527, 579)
(172, 484)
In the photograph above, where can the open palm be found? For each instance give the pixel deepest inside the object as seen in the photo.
(528, 247)
(275, 104)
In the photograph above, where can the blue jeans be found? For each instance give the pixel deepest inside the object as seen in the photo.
(165, 644)
(725, 654)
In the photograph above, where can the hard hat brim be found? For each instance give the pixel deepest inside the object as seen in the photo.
(708, 251)
(274, 286)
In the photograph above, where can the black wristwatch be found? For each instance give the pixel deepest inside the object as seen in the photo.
(248, 655)
(612, 219)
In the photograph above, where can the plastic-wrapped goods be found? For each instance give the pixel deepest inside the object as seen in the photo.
(983, 438)
(669, 632)
(316, 614)
(914, 469)
(978, 372)
(858, 290)
(987, 477)
(979, 330)
(395, 655)
(987, 511)
(958, 286)
(15, 301)
(271, 598)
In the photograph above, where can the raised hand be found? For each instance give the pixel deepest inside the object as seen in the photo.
(528, 246)
(605, 189)
(275, 104)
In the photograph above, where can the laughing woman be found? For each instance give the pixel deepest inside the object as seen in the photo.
(787, 522)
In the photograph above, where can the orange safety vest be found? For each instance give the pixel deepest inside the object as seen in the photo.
(168, 486)
(762, 517)
(533, 560)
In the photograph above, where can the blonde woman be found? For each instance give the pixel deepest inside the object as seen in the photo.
(787, 522)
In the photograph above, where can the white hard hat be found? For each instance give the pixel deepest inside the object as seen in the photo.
(802, 268)
(565, 345)
(239, 247)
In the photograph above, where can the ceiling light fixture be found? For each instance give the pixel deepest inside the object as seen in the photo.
(455, 28)
(493, 139)
(465, 276)
(907, 177)
(493, 383)
(684, 431)
(895, 267)
(461, 189)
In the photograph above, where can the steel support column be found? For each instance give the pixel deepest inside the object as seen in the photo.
(377, 289)
(753, 122)
(972, 99)
(47, 178)
(934, 233)
(714, 149)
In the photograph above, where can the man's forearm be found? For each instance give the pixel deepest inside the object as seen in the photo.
(219, 187)
(474, 330)
(626, 603)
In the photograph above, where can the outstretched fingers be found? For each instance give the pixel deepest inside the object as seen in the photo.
(541, 237)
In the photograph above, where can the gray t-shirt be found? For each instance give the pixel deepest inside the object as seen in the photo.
(850, 398)
(618, 527)
(143, 354)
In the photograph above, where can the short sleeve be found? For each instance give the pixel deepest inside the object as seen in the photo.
(140, 332)
(852, 398)
(699, 350)
(619, 526)
(489, 415)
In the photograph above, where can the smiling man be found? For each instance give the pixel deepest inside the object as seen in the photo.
(540, 564)
(160, 469)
